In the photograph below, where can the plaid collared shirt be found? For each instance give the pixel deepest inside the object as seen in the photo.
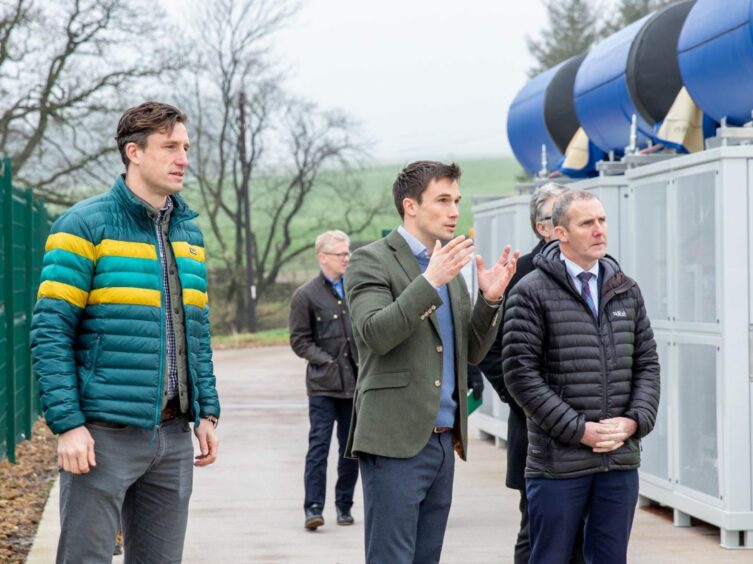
(172, 372)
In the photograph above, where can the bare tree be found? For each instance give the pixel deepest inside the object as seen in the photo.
(66, 69)
(235, 92)
(259, 154)
(323, 148)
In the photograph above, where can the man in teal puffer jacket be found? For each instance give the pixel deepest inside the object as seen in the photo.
(121, 348)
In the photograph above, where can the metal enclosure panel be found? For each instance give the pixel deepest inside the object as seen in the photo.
(706, 374)
(734, 304)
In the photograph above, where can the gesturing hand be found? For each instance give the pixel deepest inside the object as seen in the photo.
(494, 281)
(446, 262)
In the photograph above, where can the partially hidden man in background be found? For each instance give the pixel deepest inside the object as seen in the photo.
(579, 357)
(416, 330)
(542, 202)
(320, 332)
(121, 347)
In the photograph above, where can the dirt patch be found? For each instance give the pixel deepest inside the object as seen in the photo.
(24, 488)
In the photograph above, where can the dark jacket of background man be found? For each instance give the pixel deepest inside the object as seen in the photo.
(320, 331)
(491, 366)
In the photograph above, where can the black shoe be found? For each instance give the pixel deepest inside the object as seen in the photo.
(344, 517)
(314, 517)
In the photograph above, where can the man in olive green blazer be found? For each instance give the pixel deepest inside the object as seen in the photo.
(416, 330)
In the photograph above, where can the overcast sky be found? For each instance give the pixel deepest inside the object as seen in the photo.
(426, 78)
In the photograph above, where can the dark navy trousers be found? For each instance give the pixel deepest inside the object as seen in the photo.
(324, 412)
(407, 503)
(605, 500)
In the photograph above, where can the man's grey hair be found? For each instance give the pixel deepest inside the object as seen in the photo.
(563, 203)
(540, 197)
(327, 238)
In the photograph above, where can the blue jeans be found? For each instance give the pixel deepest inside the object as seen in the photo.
(556, 509)
(324, 412)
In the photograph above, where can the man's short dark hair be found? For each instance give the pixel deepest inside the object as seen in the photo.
(415, 178)
(563, 203)
(139, 122)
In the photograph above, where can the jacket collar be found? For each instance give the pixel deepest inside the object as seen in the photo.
(613, 280)
(409, 264)
(403, 254)
(139, 211)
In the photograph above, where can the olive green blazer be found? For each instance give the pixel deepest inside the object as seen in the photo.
(393, 313)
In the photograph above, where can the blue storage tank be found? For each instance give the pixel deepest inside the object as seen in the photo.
(526, 129)
(602, 97)
(632, 72)
(715, 52)
(543, 114)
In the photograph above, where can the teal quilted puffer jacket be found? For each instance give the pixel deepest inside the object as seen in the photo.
(98, 334)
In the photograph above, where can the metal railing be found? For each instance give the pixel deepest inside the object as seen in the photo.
(24, 226)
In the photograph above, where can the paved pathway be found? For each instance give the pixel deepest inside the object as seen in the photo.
(247, 507)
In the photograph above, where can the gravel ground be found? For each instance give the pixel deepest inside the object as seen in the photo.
(24, 488)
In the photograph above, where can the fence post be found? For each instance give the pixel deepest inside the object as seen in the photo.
(31, 235)
(10, 313)
(41, 230)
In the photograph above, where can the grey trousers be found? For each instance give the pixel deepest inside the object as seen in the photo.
(145, 473)
(407, 503)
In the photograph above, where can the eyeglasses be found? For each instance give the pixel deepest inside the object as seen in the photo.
(338, 255)
(543, 219)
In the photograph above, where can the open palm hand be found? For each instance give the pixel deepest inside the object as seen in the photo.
(493, 281)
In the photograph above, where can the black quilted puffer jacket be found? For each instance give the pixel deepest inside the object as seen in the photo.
(565, 369)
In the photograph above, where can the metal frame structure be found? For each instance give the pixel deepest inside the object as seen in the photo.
(683, 228)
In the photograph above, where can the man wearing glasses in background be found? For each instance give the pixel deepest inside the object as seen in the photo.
(320, 332)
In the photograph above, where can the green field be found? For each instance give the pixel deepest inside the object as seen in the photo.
(481, 177)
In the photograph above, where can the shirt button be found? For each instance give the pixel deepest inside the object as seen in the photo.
(334, 316)
(345, 354)
(339, 302)
(437, 384)
(177, 310)
(172, 271)
(439, 348)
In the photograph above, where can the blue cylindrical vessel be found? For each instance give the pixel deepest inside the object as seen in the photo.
(602, 95)
(526, 128)
(715, 53)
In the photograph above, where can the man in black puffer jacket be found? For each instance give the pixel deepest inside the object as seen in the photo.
(579, 357)
(541, 205)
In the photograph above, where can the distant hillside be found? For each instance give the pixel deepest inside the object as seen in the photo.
(481, 177)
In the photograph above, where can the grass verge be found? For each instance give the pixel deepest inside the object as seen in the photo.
(268, 338)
